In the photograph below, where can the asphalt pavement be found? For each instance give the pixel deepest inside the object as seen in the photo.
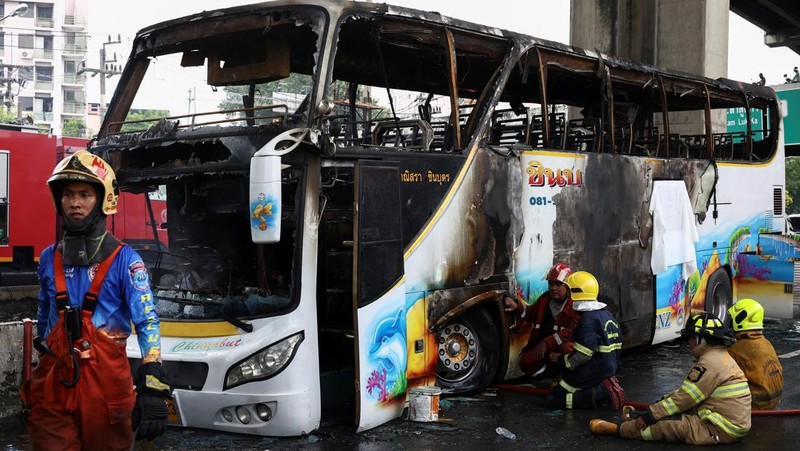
(468, 423)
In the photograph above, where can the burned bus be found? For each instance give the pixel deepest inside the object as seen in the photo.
(369, 181)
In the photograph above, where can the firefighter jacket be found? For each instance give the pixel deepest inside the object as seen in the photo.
(124, 298)
(597, 346)
(756, 357)
(553, 331)
(715, 390)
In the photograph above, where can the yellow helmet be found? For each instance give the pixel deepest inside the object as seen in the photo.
(83, 166)
(583, 286)
(747, 314)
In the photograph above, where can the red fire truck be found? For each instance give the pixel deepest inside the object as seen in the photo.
(28, 221)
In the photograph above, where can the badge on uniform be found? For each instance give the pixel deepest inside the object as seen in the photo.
(696, 373)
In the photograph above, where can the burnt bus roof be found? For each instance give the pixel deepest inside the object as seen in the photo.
(378, 9)
(581, 69)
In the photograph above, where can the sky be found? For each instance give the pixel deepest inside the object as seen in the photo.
(747, 54)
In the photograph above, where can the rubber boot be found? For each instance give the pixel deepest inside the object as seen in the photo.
(599, 426)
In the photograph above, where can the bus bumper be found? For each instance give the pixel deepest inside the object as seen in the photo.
(261, 414)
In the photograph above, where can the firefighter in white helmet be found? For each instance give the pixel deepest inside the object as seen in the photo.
(552, 320)
(92, 289)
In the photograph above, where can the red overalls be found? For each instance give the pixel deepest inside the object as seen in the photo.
(81, 399)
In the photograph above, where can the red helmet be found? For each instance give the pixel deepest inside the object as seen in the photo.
(559, 272)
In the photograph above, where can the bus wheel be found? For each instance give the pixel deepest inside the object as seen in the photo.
(719, 295)
(468, 348)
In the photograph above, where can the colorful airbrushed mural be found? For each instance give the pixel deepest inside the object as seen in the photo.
(761, 263)
(388, 355)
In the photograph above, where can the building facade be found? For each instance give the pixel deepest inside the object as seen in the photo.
(42, 52)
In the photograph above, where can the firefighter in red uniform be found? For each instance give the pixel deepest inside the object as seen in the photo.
(755, 354)
(92, 288)
(553, 320)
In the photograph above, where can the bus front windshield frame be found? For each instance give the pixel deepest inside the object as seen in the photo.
(248, 78)
(245, 72)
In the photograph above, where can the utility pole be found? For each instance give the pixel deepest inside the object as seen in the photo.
(104, 71)
(103, 62)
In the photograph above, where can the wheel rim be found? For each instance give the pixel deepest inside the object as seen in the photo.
(458, 351)
(718, 303)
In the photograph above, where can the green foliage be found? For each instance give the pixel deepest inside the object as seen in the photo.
(6, 115)
(142, 115)
(74, 127)
(792, 184)
(295, 84)
(738, 235)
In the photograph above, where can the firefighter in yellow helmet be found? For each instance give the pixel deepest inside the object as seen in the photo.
(712, 405)
(755, 354)
(589, 372)
(93, 288)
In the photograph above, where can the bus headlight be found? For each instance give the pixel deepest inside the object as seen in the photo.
(265, 363)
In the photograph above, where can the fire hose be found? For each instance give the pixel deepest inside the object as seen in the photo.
(639, 405)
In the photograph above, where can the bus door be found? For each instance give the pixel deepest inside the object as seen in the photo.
(379, 293)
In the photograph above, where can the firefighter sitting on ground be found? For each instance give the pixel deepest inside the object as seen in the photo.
(92, 288)
(711, 406)
(589, 372)
(553, 321)
(755, 354)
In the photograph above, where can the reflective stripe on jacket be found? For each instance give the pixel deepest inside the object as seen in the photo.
(715, 389)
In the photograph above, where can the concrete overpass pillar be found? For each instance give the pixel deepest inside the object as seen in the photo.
(684, 35)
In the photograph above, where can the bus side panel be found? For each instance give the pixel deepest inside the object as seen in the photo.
(591, 211)
(745, 239)
(382, 359)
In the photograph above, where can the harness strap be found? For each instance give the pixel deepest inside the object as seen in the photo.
(90, 298)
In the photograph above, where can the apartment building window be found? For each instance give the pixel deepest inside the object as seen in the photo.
(2, 39)
(25, 105)
(3, 198)
(44, 15)
(43, 108)
(74, 43)
(25, 41)
(44, 74)
(74, 102)
(44, 46)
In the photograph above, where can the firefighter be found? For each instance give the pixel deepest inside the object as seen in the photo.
(553, 321)
(92, 287)
(589, 372)
(712, 406)
(755, 354)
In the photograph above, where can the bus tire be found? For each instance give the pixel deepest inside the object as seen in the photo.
(469, 352)
(719, 295)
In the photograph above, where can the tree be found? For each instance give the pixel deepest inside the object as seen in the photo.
(792, 184)
(74, 127)
(6, 115)
(143, 115)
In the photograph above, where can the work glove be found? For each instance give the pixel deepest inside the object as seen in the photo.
(150, 411)
(540, 351)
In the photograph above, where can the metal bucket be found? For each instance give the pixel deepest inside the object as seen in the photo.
(423, 404)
